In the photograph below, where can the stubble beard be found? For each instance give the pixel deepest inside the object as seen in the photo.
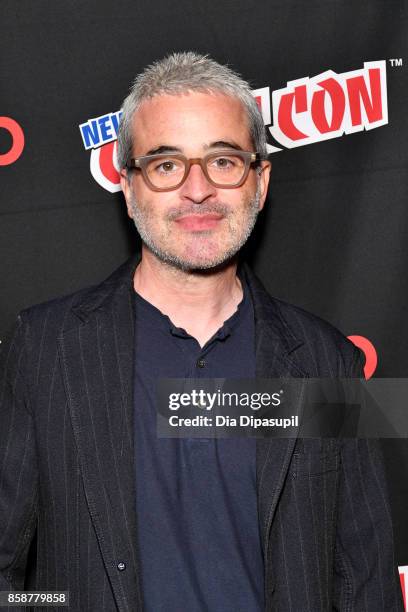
(239, 236)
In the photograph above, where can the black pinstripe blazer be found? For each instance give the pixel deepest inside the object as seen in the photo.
(67, 483)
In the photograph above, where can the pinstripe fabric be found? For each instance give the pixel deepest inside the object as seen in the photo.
(66, 464)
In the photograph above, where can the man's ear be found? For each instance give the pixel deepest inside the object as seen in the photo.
(126, 188)
(264, 175)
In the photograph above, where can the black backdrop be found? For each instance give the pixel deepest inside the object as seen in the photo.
(334, 236)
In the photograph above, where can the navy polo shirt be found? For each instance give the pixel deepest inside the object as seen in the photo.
(196, 502)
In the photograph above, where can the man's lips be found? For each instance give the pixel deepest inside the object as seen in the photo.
(199, 222)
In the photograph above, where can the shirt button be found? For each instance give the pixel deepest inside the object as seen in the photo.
(200, 363)
(121, 566)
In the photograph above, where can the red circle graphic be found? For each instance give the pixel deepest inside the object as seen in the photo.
(370, 353)
(17, 135)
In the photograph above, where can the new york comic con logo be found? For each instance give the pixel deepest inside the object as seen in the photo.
(306, 111)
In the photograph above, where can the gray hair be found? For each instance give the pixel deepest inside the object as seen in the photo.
(179, 73)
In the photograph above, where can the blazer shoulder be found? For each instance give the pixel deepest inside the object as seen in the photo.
(325, 345)
(45, 322)
(57, 312)
(67, 310)
(304, 322)
(33, 335)
(319, 348)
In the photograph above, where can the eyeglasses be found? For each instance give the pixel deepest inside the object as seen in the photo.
(226, 169)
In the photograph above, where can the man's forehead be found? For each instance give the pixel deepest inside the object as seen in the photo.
(204, 116)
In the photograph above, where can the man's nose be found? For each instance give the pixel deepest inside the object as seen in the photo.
(196, 186)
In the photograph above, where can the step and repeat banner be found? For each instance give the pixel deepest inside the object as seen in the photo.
(331, 81)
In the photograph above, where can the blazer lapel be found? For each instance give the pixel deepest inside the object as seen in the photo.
(275, 354)
(97, 357)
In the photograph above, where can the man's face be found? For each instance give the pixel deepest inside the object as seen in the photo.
(196, 226)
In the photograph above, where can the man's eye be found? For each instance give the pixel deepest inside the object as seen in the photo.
(223, 163)
(166, 166)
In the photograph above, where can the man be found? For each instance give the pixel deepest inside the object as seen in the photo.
(124, 520)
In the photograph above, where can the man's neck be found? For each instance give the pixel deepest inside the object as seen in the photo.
(198, 301)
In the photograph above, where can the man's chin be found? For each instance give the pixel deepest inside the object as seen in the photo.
(209, 266)
(193, 262)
